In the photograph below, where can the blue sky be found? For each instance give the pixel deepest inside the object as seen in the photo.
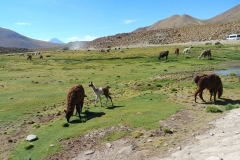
(81, 20)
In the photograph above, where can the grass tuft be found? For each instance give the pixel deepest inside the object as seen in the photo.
(213, 109)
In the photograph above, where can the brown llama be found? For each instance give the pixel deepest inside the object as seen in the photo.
(100, 91)
(211, 82)
(29, 57)
(206, 53)
(75, 97)
(176, 51)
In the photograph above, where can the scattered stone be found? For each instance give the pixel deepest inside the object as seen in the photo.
(108, 145)
(125, 150)
(212, 134)
(89, 152)
(237, 132)
(214, 158)
(31, 137)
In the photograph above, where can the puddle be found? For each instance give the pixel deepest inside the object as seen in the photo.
(227, 72)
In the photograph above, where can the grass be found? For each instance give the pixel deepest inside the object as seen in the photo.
(140, 87)
(213, 109)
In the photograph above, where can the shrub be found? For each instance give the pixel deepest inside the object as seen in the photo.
(231, 106)
(213, 109)
(233, 74)
(173, 89)
(158, 85)
(65, 124)
(28, 146)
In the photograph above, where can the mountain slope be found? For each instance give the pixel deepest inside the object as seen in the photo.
(176, 21)
(55, 40)
(9, 38)
(230, 15)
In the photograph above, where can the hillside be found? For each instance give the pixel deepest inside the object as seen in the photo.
(9, 38)
(176, 29)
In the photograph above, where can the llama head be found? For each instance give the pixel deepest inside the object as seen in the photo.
(196, 79)
(68, 115)
(90, 84)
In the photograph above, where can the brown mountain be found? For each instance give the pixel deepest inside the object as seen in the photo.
(230, 15)
(176, 29)
(9, 38)
(176, 21)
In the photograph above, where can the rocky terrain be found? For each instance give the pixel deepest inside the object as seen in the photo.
(199, 33)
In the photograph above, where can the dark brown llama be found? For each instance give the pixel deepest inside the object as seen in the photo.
(29, 57)
(75, 97)
(211, 82)
(176, 51)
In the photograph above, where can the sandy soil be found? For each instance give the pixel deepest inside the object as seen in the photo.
(221, 142)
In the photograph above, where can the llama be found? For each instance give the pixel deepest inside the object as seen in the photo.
(41, 57)
(99, 92)
(75, 97)
(187, 50)
(206, 53)
(163, 54)
(29, 57)
(211, 82)
(176, 51)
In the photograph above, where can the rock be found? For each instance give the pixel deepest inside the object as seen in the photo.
(125, 150)
(31, 137)
(214, 158)
(88, 152)
(108, 145)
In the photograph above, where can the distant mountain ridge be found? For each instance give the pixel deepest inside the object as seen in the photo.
(176, 21)
(55, 40)
(9, 38)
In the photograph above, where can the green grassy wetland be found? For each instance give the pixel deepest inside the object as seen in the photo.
(145, 91)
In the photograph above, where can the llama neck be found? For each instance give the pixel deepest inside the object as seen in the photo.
(94, 89)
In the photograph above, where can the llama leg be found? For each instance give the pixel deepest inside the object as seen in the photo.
(215, 93)
(78, 110)
(195, 94)
(106, 100)
(210, 92)
(96, 100)
(200, 95)
(110, 99)
(100, 100)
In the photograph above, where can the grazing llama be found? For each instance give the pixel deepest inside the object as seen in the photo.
(163, 54)
(99, 92)
(187, 50)
(75, 97)
(206, 53)
(176, 51)
(211, 82)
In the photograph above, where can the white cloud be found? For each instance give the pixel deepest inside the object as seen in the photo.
(21, 24)
(85, 38)
(129, 21)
